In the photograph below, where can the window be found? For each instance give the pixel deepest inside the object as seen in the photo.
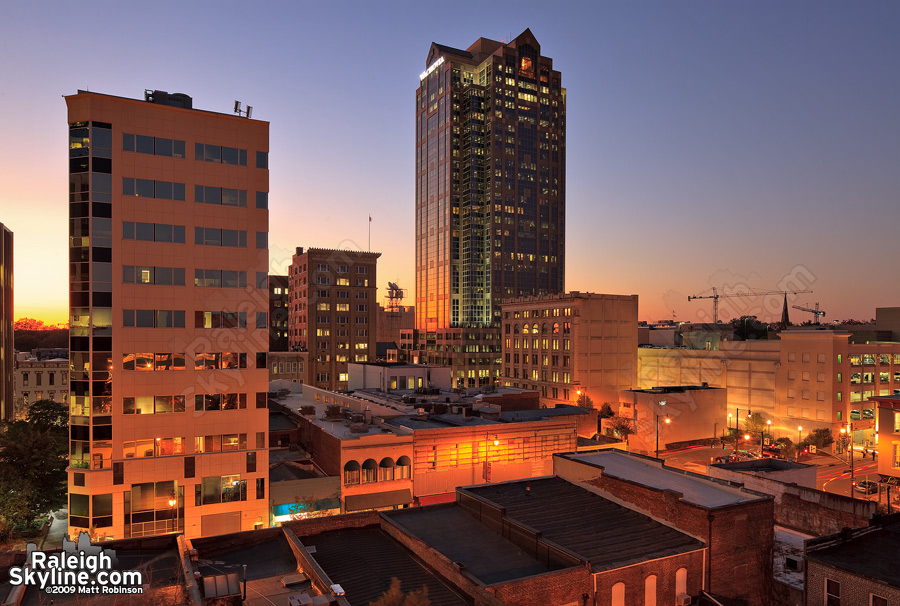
(832, 593)
(650, 590)
(875, 600)
(262, 159)
(351, 473)
(153, 232)
(210, 236)
(163, 276)
(148, 188)
(220, 278)
(220, 155)
(262, 199)
(220, 195)
(152, 318)
(618, 594)
(156, 146)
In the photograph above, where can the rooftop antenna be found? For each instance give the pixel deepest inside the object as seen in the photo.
(240, 112)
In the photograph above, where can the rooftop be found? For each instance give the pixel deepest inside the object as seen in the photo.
(863, 554)
(604, 533)
(364, 560)
(461, 538)
(694, 488)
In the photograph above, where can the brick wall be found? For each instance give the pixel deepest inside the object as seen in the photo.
(665, 570)
(805, 509)
(558, 588)
(313, 526)
(855, 590)
(740, 537)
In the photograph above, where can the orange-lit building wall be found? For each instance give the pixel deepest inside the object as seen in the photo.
(168, 322)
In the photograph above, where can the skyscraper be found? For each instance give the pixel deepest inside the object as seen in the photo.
(168, 252)
(490, 195)
(7, 341)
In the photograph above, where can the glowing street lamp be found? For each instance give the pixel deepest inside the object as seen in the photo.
(668, 420)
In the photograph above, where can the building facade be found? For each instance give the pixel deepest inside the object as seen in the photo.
(168, 251)
(41, 380)
(333, 311)
(809, 378)
(490, 196)
(279, 300)
(7, 336)
(572, 345)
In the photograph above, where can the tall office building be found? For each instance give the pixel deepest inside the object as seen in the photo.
(333, 311)
(169, 317)
(490, 196)
(7, 337)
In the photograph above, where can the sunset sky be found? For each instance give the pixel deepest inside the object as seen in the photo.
(710, 143)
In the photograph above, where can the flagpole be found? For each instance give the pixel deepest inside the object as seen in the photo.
(370, 233)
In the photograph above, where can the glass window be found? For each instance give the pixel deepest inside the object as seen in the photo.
(262, 159)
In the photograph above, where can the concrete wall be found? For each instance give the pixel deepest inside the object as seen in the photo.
(694, 414)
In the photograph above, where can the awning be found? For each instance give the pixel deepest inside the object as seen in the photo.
(434, 499)
(377, 500)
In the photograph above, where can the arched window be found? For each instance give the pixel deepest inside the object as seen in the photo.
(556, 328)
(403, 468)
(351, 473)
(369, 471)
(543, 329)
(516, 329)
(681, 581)
(650, 590)
(386, 469)
(618, 594)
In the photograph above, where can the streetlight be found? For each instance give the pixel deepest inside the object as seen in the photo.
(799, 439)
(729, 420)
(172, 503)
(668, 420)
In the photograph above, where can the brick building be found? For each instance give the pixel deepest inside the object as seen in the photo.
(333, 311)
(7, 344)
(571, 346)
(854, 568)
(735, 524)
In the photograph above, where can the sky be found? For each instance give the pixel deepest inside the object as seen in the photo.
(709, 144)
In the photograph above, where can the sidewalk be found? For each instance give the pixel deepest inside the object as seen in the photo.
(58, 530)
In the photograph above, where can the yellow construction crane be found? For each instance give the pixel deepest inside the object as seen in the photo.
(815, 312)
(715, 296)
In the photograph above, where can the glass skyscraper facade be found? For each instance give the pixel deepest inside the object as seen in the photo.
(490, 196)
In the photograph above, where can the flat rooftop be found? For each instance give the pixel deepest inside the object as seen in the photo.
(866, 555)
(461, 538)
(338, 428)
(606, 534)
(364, 560)
(694, 488)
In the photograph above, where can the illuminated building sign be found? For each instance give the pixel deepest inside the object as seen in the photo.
(431, 68)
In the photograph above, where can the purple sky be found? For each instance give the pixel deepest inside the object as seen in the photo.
(709, 143)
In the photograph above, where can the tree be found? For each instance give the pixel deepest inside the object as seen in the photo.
(33, 460)
(394, 596)
(623, 426)
(756, 424)
(820, 438)
(606, 411)
(49, 415)
(585, 401)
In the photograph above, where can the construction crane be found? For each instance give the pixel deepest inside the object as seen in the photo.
(715, 296)
(815, 312)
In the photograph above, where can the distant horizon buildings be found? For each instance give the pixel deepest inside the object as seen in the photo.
(490, 197)
(7, 345)
(168, 249)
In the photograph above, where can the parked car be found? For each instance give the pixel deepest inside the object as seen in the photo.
(866, 486)
(771, 451)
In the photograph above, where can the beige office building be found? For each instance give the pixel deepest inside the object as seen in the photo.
(571, 345)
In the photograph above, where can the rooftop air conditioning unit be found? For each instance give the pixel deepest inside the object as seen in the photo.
(793, 563)
(682, 599)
